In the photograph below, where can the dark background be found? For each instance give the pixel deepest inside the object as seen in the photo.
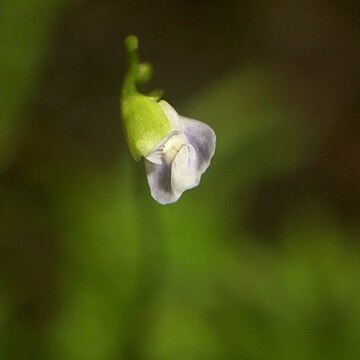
(260, 262)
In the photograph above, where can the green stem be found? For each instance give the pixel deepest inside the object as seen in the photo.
(137, 72)
(152, 267)
(129, 84)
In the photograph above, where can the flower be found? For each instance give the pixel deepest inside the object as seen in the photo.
(178, 161)
(177, 150)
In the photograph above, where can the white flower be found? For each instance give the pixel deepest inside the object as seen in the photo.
(178, 161)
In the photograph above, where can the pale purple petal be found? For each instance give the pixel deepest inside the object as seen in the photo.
(171, 115)
(202, 137)
(185, 170)
(159, 179)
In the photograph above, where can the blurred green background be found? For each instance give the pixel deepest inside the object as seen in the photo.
(261, 261)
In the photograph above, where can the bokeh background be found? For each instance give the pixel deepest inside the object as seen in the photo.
(260, 262)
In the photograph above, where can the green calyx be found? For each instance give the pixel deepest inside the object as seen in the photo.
(145, 123)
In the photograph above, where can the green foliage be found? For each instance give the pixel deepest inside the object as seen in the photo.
(24, 30)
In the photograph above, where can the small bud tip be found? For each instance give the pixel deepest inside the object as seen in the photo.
(131, 43)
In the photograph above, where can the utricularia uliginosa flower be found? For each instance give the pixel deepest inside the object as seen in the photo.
(177, 150)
